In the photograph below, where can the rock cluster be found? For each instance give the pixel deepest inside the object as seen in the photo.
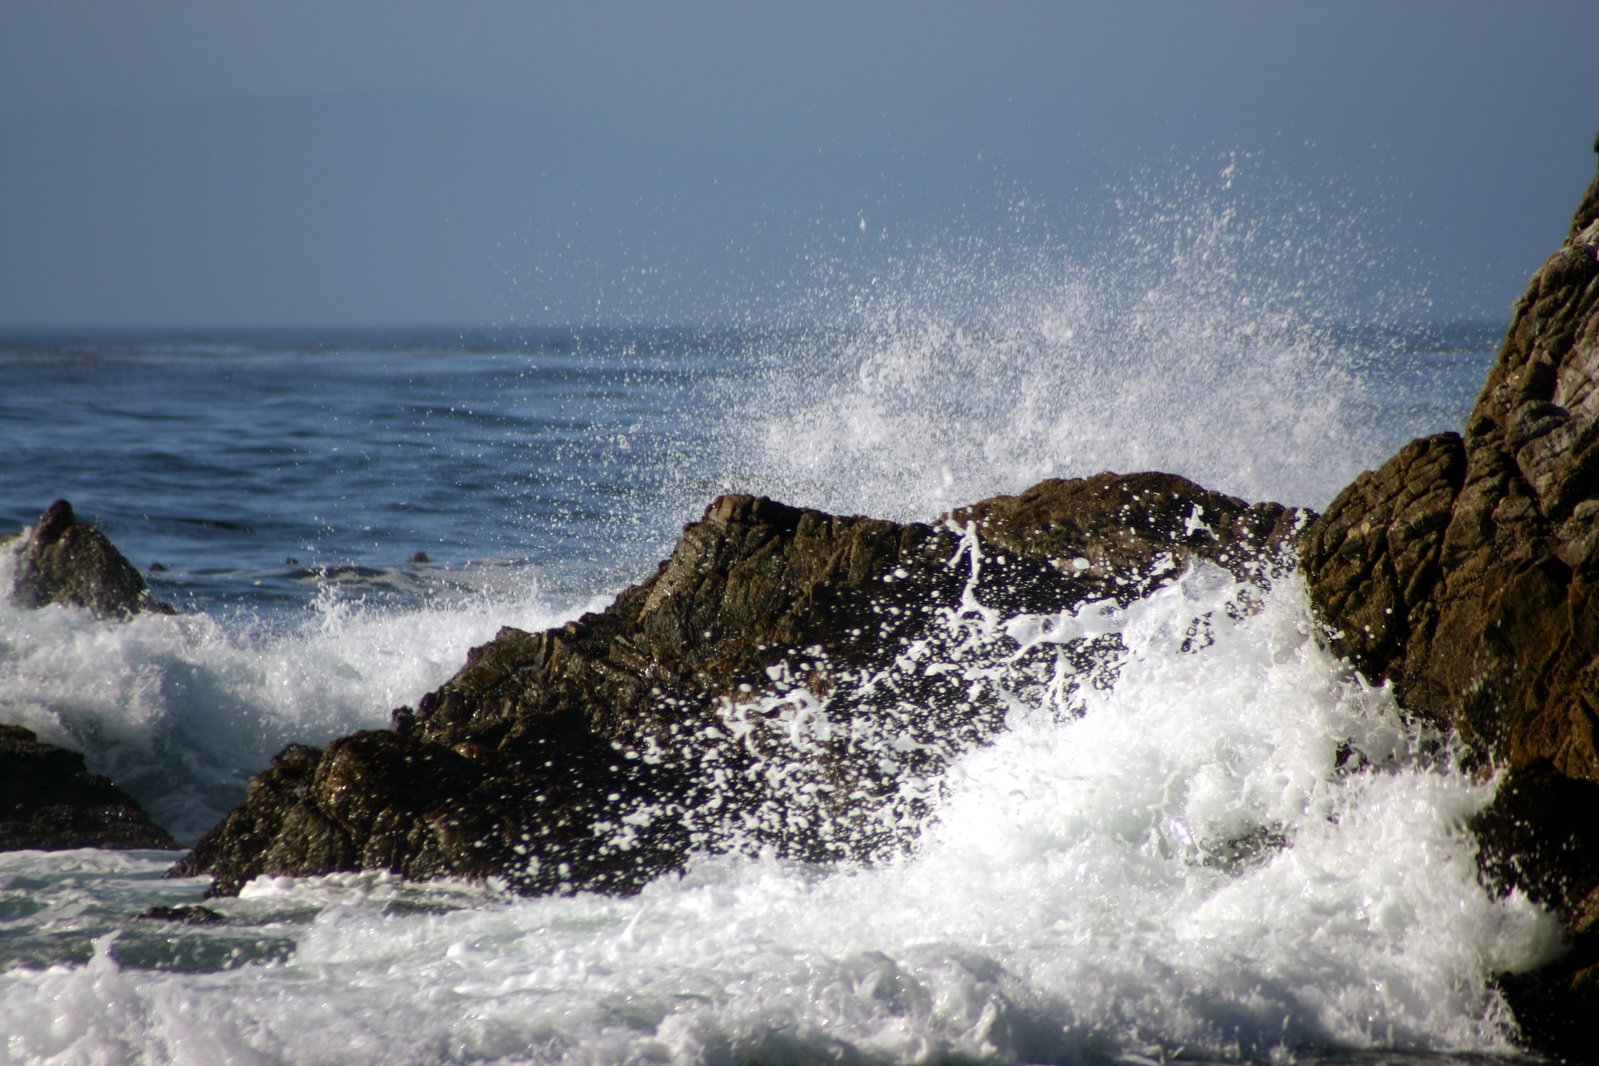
(1465, 571)
(597, 754)
(50, 801)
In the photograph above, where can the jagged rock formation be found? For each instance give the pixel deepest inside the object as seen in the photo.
(50, 801)
(1465, 571)
(690, 713)
(61, 560)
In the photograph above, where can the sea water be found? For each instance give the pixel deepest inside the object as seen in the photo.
(1183, 865)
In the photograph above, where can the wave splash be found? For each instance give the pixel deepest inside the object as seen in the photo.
(1231, 848)
(1237, 850)
(183, 710)
(1195, 332)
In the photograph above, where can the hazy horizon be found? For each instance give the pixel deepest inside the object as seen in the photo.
(180, 165)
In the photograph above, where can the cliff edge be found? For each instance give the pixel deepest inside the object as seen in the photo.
(1465, 572)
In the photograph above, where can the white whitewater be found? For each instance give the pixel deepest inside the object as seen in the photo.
(1079, 896)
(184, 710)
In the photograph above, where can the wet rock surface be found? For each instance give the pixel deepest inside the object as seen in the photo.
(1465, 572)
(62, 560)
(49, 801)
(1464, 569)
(765, 688)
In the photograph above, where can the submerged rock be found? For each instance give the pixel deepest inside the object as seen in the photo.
(49, 801)
(1465, 572)
(61, 560)
(184, 914)
(787, 679)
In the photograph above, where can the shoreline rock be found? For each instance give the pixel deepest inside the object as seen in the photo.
(1464, 569)
(62, 560)
(1465, 572)
(50, 802)
(596, 755)
(48, 799)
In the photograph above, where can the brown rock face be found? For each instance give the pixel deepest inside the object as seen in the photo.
(782, 681)
(1466, 572)
(50, 801)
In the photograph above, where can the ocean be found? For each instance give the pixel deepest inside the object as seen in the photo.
(339, 515)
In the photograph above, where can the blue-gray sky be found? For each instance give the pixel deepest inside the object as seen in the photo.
(207, 162)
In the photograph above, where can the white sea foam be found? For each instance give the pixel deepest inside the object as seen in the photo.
(183, 710)
(1183, 866)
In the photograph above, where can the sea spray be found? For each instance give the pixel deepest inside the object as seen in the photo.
(182, 710)
(1076, 893)
(1202, 328)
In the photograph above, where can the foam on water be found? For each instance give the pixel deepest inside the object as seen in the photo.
(182, 710)
(1185, 867)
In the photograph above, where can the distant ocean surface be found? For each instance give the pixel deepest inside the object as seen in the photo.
(339, 515)
(260, 469)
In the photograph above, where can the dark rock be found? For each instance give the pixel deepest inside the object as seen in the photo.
(49, 801)
(1539, 836)
(64, 561)
(1465, 572)
(686, 715)
(1121, 526)
(1555, 1006)
(186, 914)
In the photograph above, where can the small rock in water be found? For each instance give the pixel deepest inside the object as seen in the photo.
(64, 561)
(188, 914)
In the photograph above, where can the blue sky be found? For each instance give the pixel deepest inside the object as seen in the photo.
(218, 163)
